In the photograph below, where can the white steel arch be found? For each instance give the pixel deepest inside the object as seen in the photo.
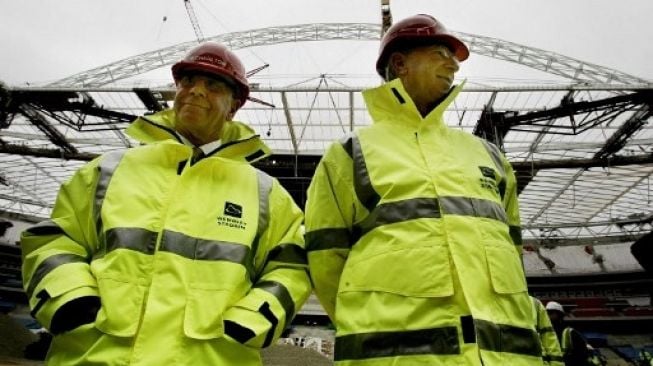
(550, 62)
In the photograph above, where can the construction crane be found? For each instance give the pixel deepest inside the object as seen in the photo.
(193, 21)
(386, 16)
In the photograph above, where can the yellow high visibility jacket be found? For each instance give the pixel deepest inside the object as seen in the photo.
(575, 350)
(551, 352)
(196, 262)
(414, 243)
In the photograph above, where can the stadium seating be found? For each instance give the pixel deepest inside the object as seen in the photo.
(629, 353)
(594, 312)
(11, 288)
(638, 311)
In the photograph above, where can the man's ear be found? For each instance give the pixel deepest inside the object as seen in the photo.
(235, 105)
(397, 62)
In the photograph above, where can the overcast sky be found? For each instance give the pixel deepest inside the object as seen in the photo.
(43, 40)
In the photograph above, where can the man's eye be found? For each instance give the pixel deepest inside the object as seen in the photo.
(213, 85)
(186, 80)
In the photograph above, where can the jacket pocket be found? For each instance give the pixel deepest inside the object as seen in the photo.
(505, 266)
(203, 313)
(419, 272)
(121, 306)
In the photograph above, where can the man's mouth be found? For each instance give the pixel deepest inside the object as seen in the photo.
(195, 105)
(448, 79)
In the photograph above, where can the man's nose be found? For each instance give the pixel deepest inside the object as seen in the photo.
(198, 88)
(453, 64)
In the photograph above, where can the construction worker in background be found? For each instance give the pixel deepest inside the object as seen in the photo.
(551, 352)
(176, 252)
(412, 228)
(575, 349)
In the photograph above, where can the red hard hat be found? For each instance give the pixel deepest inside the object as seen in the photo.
(216, 59)
(420, 29)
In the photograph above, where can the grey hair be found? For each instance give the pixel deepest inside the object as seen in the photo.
(389, 73)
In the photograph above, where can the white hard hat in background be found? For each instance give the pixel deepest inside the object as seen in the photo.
(552, 305)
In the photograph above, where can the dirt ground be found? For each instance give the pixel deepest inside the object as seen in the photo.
(282, 355)
(14, 337)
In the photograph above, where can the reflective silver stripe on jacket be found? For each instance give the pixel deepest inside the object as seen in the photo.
(144, 241)
(507, 338)
(107, 166)
(265, 183)
(288, 253)
(399, 211)
(49, 227)
(545, 330)
(552, 358)
(433, 341)
(365, 192)
(201, 249)
(423, 207)
(281, 293)
(137, 239)
(47, 266)
(45, 227)
(476, 207)
(495, 154)
(437, 341)
(329, 238)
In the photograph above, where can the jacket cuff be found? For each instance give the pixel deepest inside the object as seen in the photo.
(47, 306)
(247, 324)
(80, 311)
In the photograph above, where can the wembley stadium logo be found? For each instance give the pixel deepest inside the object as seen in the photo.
(232, 216)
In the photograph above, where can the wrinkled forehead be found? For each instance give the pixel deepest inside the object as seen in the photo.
(190, 73)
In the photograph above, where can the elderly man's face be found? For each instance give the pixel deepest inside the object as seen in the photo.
(427, 72)
(202, 105)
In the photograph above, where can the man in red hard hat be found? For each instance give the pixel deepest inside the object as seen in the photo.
(175, 252)
(413, 232)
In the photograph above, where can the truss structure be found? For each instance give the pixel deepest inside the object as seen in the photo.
(535, 58)
(582, 151)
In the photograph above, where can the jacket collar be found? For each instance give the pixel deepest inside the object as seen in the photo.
(391, 103)
(239, 141)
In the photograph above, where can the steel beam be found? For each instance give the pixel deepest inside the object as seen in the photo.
(291, 128)
(53, 134)
(566, 242)
(538, 59)
(518, 165)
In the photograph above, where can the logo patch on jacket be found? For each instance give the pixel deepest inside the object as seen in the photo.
(489, 179)
(232, 216)
(233, 209)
